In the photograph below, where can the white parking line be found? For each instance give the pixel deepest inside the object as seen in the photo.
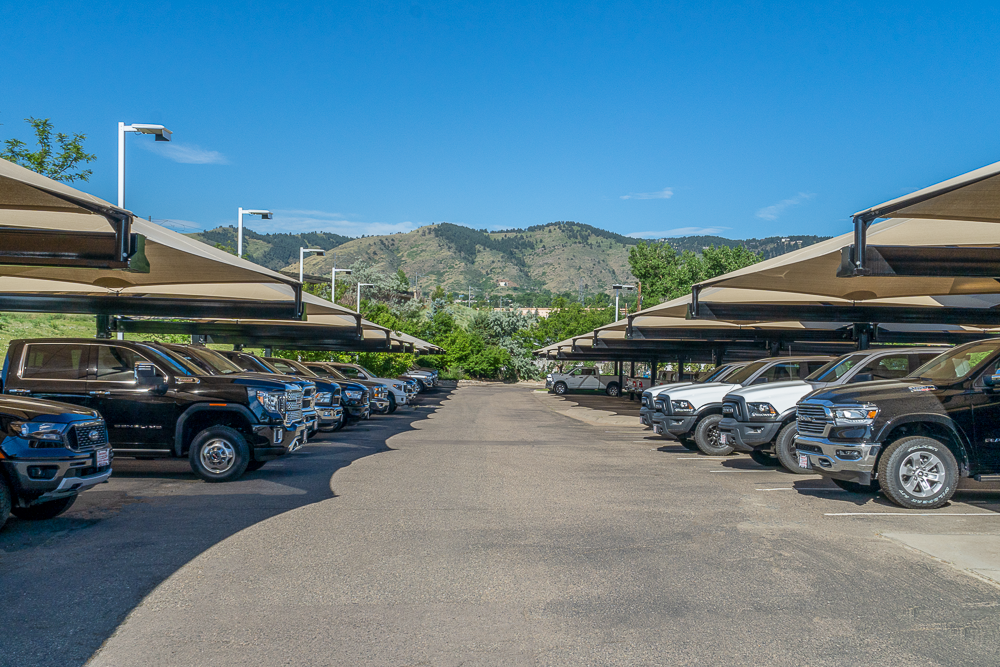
(808, 488)
(742, 471)
(910, 514)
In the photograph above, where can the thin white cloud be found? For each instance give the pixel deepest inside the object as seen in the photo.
(774, 210)
(680, 231)
(665, 193)
(298, 221)
(184, 153)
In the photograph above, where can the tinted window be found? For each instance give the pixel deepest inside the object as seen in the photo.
(116, 364)
(349, 372)
(958, 362)
(56, 361)
(887, 368)
(285, 368)
(833, 370)
(745, 373)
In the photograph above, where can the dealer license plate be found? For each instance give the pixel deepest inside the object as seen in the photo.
(103, 457)
(804, 461)
(724, 438)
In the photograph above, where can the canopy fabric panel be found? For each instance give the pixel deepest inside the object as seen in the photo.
(25, 190)
(812, 269)
(974, 196)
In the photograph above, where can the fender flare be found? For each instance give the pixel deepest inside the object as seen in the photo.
(964, 444)
(708, 409)
(242, 410)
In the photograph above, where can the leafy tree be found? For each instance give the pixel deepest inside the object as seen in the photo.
(655, 266)
(403, 281)
(571, 319)
(438, 293)
(58, 164)
(666, 275)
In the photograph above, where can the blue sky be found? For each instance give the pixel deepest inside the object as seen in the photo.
(742, 119)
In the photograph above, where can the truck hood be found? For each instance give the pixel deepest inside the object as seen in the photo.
(878, 392)
(782, 395)
(26, 409)
(703, 394)
(660, 388)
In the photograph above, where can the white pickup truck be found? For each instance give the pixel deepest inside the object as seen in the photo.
(580, 379)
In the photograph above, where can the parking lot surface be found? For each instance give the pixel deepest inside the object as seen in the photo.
(496, 531)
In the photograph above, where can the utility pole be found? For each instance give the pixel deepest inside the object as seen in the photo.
(470, 296)
(582, 298)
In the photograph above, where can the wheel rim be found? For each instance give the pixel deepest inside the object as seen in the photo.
(713, 436)
(217, 456)
(922, 474)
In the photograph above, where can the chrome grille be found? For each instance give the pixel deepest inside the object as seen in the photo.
(293, 406)
(88, 436)
(811, 419)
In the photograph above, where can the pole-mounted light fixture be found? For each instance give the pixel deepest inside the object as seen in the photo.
(302, 253)
(161, 133)
(264, 215)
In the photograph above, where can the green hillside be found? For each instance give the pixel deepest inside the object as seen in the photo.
(558, 257)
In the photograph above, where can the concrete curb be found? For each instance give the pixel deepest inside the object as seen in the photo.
(590, 416)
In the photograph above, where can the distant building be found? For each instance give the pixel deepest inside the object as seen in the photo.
(506, 283)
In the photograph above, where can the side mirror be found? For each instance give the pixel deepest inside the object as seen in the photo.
(863, 377)
(146, 377)
(991, 380)
(760, 380)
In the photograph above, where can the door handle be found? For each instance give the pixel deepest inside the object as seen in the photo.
(19, 391)
(99, 392)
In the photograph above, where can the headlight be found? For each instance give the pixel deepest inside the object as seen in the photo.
(658, 404)
(762, 410)
(397, 386)
(324, 398)
(273, 401)
(39, 430)
(864, 414)
(681, 406)
(350, 393)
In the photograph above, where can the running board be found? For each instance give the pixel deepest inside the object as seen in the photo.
(987, 478)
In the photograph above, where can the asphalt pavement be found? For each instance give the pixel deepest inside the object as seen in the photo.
(496, 531)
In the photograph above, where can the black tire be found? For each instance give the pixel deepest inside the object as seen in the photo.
(765, 459)
(392, 403)
(559, 388)
(784, 449)
(4, 501)
(43, 511)
(855, 487)
(918, 472)
(219, 454)
(255, 465)
(688, 443)
(706, 436)
(340, 422)
(612, 389)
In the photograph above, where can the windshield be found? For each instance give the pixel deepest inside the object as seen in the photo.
(719, 373)
(745, 373)
(217, 362)
(251, 364)
(956, 364)
(334, 373)
(349, 372)
(837, 368)
(293, 367)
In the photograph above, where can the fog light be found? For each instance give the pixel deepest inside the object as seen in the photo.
(278, 435)
(848, 454)
(42, 472)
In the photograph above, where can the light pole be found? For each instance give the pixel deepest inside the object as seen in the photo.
(264, 215)
(161, 133)
(617, 289)
(302, 254)
(333, 281)
(360, 285)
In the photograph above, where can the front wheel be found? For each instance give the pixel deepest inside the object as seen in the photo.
(613, 389)
(784, 448)
(559, 388)
(392, 404)
(4, 501)
(43, 511)
(918, 472)
(219, 454)
(706, 436)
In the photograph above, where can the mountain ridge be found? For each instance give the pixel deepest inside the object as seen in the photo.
(557, 256)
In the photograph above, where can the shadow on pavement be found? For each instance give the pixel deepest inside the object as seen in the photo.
(68, 583)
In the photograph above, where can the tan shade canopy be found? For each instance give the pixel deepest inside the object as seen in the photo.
(812, 269)
(24, 190)
(973, 196)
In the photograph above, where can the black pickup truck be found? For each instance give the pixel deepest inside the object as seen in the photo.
(157, 405)
(49, 453)
(913, 437)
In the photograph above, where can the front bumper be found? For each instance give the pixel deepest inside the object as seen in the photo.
(646, 416)
(674, 424)
(329, 416)
(357, 410)
(747, 436)
(72, 476)
(379, 404)
(834, 459)
(279, 440)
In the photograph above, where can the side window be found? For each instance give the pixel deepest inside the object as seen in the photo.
(782, 372)
(918, 360)
(991, 369)
(56, 361)
(348, 371)
(284, 368)
(115, 364)
(887, 368)
(587, 371)
(811, 367)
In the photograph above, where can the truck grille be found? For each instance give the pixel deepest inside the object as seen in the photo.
(293, 406)
(811, 419)
(88, 436)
